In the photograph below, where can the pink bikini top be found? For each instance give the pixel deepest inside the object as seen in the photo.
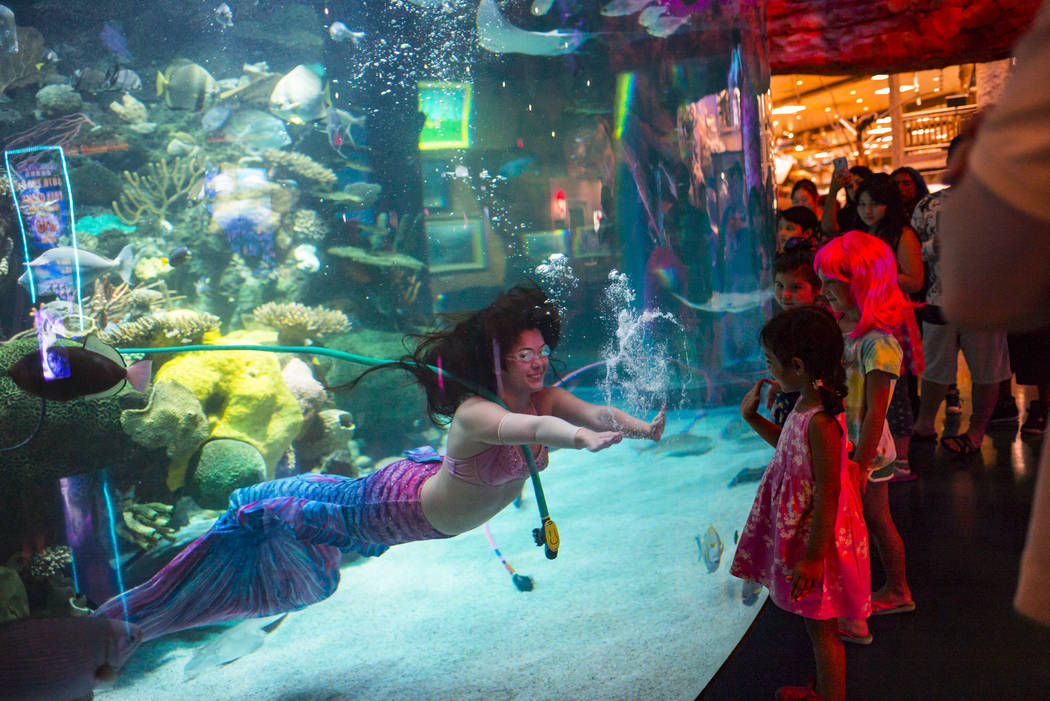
(494, 466)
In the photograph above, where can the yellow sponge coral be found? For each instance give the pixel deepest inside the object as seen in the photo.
(243, 396)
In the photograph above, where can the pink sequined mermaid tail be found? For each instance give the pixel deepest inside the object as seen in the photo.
(278, 548)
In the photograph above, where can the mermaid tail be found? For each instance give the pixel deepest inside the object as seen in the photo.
(278, 548)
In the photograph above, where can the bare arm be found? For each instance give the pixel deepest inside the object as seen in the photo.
(825, 445)
(765, 428)
(877, 391)
(909, 261)
(828, 222)
(481, 421)
(995, 261)
(566, 405)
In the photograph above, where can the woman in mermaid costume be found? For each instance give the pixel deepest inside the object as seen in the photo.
(278, 546)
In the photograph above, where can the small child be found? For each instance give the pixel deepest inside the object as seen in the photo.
(797, 223)
(795, 284)
(859, 276)
(805, 538)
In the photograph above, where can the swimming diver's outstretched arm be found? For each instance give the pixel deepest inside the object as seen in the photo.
(566, 405)
(483, 421)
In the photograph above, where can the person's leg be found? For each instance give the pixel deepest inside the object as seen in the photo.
(830, 657)
(1004, 411)
(888, 544)
(989, 361)
(930, 399)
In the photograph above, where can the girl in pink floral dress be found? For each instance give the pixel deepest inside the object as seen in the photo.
(805, 539)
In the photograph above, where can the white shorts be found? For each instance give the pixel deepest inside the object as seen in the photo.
(985, 352)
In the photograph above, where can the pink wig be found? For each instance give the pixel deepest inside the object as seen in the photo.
(869, 267)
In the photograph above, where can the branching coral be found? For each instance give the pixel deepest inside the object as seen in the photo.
(163, 184)
(178, 327)
(301, 164)
(297, 322)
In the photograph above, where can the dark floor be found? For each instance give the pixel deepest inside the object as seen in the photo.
(963, 524)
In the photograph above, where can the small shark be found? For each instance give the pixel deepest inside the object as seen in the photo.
(731, 302)
(682, 445)
(499, 36)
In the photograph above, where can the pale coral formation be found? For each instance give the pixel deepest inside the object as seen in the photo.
(177, 327)
(307, 225)
(297, 322)
(164, 183)
(304, 387)
(302, 165)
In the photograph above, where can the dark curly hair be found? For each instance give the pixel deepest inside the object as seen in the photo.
(812, 335)
(465, 349)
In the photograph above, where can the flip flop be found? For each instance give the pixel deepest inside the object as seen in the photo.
(882, 608)
(960, 445)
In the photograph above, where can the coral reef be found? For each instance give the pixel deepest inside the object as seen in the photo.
(177, 327)
(82, 435)
(23, 67)
(173, 420)
(302, 165)
(134, 113)
(59, 99)
(52, 560)
(224, 466)
(243, 396)
(304, 387)
(165, 183)
(297, 322)
(307, 225)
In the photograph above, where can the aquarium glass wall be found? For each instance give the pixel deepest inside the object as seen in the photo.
(319, 181)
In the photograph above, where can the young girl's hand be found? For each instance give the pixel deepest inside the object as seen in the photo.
(805, 576)
(749, 405)
(595, 441)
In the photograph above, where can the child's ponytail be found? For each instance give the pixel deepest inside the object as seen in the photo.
(833, 391)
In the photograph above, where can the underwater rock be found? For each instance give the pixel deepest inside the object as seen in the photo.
(173, 420)
(14, 603)
(178, 147)
(57, 100)
(95, 185)
(134, 113)
(306, 259)
(243, 396)
(224, 465)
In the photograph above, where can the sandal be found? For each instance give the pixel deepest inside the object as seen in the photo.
(886, 608)
(960, 445)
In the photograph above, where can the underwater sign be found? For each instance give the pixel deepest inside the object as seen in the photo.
(447, 108)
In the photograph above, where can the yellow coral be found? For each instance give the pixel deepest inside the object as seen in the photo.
(244, 397)
(301, 164)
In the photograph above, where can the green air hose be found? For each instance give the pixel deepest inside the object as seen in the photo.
(546, 535)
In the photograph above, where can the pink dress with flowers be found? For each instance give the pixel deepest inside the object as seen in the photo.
(777, 531)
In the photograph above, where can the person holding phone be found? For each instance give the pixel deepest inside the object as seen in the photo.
(831, 222)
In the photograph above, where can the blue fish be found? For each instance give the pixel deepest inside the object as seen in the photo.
(711, 549)
(515, 168)
(115, 41)
(215, 118)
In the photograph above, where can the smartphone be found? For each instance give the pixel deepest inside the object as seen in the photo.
(840, 163)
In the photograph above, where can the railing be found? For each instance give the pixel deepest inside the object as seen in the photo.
(934, 129)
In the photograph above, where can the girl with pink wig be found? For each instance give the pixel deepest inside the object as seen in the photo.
(859, 275)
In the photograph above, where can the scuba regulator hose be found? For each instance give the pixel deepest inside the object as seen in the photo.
(546, 535)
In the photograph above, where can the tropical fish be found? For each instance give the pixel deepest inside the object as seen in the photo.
(666, 25)
(8, 31)
(298, 97)
(619, 8)
(749, 592)
(541, 7)
(710, 549)
(746, 475)
(61, 659)
(115, 41)
(681, 445)
(53, 270)
(89, 370)
(234, 643)
(499, 36)
(338, 124)
(256, 129)
(224, 15)
(340, 32)
(516, 167)
(215, 117)
(186, 86)
(651, 14)
(178, 256)
(123, 79)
